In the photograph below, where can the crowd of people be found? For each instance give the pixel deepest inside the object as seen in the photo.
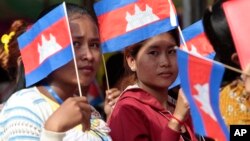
(135, 106)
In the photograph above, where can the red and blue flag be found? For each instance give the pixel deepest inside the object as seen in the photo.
(126, 22)
(200, 80)
(197, 41)
(44, 48)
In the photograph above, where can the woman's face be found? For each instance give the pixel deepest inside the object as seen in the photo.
(155, 63)
(85, 37)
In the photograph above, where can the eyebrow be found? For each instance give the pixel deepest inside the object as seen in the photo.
(95, 40)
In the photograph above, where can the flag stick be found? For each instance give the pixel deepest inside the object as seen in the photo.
(226, 66)
(105, 71)
(182, 37)
(73, 54)
(235, 69)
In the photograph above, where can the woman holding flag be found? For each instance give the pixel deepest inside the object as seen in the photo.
(147, 32)
(50, 107)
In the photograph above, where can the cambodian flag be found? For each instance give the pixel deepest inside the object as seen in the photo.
(200, 80)
(46, 46)
(126, 22)
(197, 41)
(239, 24)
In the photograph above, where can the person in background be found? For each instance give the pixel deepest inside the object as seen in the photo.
(12, 76)
(34, 113)
(141, 112)
(234, 94)
(115, 73)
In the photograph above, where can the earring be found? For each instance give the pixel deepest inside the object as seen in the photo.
(132, 68)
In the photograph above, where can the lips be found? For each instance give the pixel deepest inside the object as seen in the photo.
(86, 69)
(166, 74)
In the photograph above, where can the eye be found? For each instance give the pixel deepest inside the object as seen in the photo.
(172, 51)
(154, 52)
(95, 45)
(76, 44)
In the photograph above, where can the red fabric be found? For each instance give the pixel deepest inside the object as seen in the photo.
(137, 117)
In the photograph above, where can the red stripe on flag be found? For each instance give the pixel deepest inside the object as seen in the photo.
(30, 54)
(201, 75)
(114, 23)
(202, 44)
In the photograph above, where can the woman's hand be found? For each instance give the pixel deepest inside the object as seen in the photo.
(112, 96)
(181, 112)
(246, 78)
(72, 112)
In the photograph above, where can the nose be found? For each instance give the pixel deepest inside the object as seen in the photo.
(165, 61)
(86, 53)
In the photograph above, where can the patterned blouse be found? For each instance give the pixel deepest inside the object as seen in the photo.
(235, 103)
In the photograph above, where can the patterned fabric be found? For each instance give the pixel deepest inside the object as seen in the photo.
(25, 113)
(235, 103)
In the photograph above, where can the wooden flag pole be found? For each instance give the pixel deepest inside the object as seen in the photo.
(105, 71)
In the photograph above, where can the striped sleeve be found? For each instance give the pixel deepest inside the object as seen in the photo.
(21, 118)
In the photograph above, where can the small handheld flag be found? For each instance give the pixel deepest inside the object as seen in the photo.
(200, 80)
(239, 24)
(123, 23)
(44, 48)
(196, 42)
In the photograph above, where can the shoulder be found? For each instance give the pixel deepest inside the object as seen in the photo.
(27, 103)
(128, 107)
(23, 115)
(131, 99)
(25, 98)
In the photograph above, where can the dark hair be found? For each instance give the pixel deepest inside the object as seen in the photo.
(129, 76)
(72, 10)
(115, 69)
(218, 32)
(11, 62)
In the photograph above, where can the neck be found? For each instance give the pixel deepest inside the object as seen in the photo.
(63, 91)
(160, 94)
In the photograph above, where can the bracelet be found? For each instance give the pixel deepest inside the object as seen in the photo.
(180, 122)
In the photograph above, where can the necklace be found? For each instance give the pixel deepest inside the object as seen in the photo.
(53, 93)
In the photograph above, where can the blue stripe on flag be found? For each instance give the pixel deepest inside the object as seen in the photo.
(54, 62)
(182, 59)
(41, 25)
(105, 6)
(193, 30)
(217, 73)
(136, 36)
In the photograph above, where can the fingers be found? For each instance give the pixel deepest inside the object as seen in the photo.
(182, 106)
(85, 111)
(183, 98)
(246, 78)
(112, 93)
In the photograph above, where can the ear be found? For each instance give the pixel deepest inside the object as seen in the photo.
(131, 63)
(235, 58)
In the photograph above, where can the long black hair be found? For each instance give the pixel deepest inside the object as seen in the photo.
(218, 32)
